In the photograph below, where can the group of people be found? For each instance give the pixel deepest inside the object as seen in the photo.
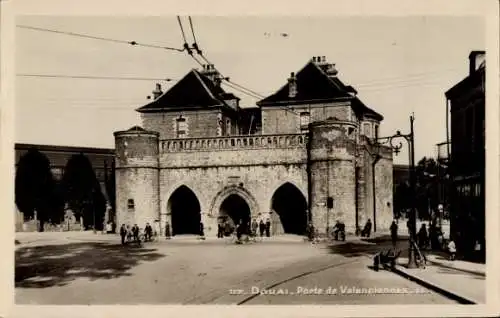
(250, 228)
(128, 233)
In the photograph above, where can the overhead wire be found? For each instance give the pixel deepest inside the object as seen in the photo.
(133, 43)
(96, 77)
(226, 80)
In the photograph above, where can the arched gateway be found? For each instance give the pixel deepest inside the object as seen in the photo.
(290, 210)
(184, 208)
(234, 204)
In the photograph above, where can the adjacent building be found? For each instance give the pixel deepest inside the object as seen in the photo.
(304, 155)
(100, 158)
(466, 102)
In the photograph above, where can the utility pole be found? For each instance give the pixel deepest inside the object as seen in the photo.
(413, 220)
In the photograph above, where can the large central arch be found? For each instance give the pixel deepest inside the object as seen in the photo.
(290, 210)
(235, 209)
(184, 209)
(229, 191)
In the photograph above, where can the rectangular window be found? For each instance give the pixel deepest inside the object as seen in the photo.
(181, 127)
(376, 131)
(366, 130)
(228, 127)
(305, 118)
(130, 204)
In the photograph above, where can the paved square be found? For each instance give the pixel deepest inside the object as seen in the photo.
(189, 271)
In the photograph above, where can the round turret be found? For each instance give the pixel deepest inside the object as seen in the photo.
(137, 171)
(332, 159)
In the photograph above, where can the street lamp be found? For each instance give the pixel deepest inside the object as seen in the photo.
(396, 148)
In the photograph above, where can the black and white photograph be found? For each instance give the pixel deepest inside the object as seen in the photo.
(189, 159)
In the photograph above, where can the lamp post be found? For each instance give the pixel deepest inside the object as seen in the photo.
(396, 148)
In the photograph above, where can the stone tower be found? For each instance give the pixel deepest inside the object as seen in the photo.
(332, 179)
(137, 173)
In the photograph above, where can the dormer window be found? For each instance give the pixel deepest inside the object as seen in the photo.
(376, 131)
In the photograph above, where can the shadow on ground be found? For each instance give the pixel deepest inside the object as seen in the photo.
(355, 249)
(57, 265)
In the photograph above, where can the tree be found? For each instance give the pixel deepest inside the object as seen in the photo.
(427, 187)
(82, 191)
(35, 188)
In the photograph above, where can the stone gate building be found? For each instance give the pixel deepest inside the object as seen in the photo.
(305, 154)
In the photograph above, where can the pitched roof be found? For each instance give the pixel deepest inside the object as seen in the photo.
(193, 91)
(471, 81)
(315, 86)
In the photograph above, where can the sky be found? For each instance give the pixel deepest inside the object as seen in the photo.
(399, 65)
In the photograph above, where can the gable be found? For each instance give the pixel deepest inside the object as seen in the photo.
(193, 91)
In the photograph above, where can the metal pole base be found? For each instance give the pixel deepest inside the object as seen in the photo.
(412, 262)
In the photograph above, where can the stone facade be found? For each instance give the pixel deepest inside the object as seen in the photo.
(290, 172)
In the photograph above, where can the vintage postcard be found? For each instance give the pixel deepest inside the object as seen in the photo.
(225, 160)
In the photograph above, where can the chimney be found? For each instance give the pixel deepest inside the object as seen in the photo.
(474, 58)
(157, 92)
(292, 86)
(331, 70)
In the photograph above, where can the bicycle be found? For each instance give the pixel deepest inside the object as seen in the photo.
(142, 238)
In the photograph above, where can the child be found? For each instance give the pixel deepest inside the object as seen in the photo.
(452, 249)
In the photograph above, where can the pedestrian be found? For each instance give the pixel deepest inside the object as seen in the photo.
(268, 227)
(135, 232)
(452, 249)
(220, 233)
(167, 231)
(367, 229)
(123, 233)
(255, 225)
(394, 233)
(422, 237)
(202, 231)
(310, 232)
(148, 232)
(262, 228)
(239, 229)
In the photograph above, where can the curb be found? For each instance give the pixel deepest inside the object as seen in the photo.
(434, 287)
(458, 269)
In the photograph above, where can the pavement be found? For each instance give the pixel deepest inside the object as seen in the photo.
(86, 268)
(460, 280)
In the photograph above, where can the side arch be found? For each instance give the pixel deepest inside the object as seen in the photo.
(184, 209)
(290, 210)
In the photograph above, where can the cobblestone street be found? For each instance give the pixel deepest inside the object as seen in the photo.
(75, 270)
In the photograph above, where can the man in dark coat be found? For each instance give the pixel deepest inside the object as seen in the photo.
(135, 232)
(268, 228)
(262, 228)
(220, 231)
(123, 233)
(368, 228)
(394, 233)
(202, 231)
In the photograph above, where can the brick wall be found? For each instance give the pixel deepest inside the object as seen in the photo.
(212, 185)
(199, 123)
(276, 120)
(140, 185)
(136, 177)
